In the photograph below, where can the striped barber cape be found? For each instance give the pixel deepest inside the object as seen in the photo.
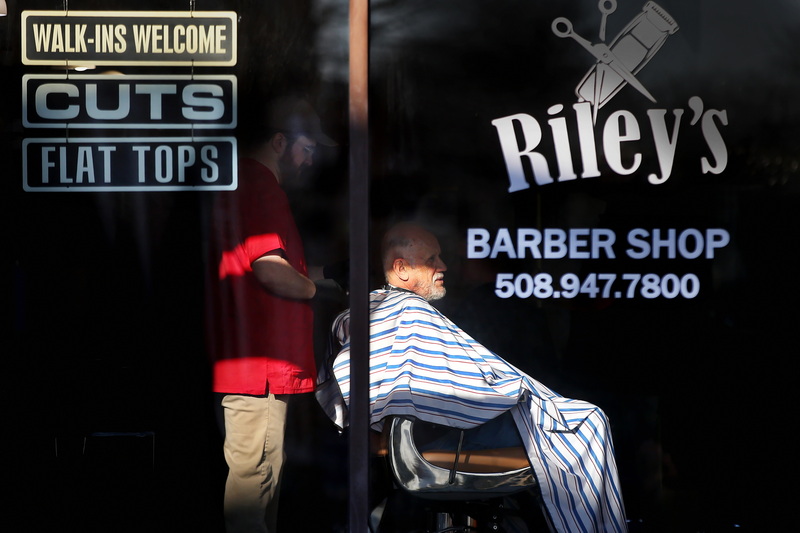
(423, 365)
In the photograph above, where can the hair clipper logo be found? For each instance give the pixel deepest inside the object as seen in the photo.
(618, 63)
(622, 133)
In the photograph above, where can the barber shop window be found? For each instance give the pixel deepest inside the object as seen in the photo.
(400, 266)
(159, 157)
(612, 191)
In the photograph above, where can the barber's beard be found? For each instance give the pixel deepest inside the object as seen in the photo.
(289, 171)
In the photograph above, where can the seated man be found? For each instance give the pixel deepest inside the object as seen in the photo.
(423, 365)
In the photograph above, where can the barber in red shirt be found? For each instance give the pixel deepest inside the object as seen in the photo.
(259, 317)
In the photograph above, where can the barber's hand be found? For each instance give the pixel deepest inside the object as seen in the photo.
(338, 272)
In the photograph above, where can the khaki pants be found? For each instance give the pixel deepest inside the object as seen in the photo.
(254, 434)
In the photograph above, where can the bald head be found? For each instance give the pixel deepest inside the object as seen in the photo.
(412, 260)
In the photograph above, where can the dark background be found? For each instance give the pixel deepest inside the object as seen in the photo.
(105, 299)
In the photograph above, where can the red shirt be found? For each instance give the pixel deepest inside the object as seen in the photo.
(260, 343)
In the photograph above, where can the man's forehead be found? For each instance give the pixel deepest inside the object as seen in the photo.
(426, 244)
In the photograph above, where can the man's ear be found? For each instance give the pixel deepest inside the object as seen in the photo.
(400, 268)
(279, 142)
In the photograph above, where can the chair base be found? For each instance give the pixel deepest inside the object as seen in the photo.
(403, 512)
(466, 517)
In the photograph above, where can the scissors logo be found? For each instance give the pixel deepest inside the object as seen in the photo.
(618, 63)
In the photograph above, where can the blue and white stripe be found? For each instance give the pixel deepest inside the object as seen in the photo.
(423, 365)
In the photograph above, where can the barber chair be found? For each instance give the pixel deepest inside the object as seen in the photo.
(464, 490)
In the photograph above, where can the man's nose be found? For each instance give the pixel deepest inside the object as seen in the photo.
(442, 267)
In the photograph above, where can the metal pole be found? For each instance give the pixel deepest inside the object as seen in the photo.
(359, 267)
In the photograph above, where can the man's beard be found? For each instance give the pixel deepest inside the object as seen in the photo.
(290, 172)
(437, 293)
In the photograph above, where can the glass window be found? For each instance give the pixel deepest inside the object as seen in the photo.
(611, 189)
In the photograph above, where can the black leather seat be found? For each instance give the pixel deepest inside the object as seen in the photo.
(468, 477)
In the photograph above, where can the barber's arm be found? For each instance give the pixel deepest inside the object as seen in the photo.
(277, 276)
